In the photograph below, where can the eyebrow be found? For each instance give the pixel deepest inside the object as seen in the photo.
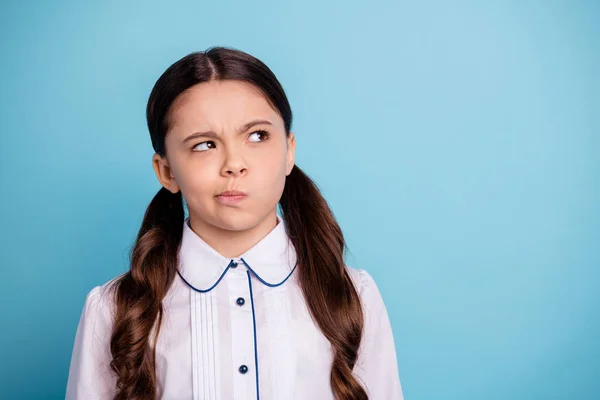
(211, 134)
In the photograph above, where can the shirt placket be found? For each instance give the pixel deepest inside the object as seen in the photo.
(242, 333)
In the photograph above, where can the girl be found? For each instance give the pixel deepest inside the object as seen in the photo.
(234, 301)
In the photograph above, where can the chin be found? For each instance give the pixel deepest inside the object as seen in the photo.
(235, 220)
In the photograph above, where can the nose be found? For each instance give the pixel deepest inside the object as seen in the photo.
(234, 164)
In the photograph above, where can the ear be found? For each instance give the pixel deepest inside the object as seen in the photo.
(164, 173)
(291, 153)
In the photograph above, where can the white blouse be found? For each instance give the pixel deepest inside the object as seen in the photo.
(238, 329)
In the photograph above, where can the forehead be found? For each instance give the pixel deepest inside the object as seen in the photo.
(220, 104)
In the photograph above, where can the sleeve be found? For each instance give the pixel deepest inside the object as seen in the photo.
(377, 364)
(90, 376)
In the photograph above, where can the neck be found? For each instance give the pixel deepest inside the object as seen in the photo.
(233, 243)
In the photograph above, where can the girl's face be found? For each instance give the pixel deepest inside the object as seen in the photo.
(224, 136)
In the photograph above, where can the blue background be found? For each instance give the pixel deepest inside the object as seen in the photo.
(457, 143)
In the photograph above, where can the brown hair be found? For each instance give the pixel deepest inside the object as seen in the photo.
(331, 297)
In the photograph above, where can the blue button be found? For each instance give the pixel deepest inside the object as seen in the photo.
(243, 369)
(234, 265)
(240, 301)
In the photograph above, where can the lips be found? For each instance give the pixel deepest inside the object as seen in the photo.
(231, 197)
(232, 193)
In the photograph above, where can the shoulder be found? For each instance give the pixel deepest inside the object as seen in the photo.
(377, 364)
(367, 289)
(90, 374)
(99, 301)
(97, 317)
(363, 281)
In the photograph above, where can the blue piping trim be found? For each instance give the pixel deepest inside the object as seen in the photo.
(213, 286)
(227, 269)
(265, 282)
(254, 325)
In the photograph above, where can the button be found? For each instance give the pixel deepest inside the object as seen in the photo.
(240, 301)
(243, 369)
(234, 265)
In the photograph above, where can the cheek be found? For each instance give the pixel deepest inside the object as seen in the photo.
(269, 178)
(199, 183)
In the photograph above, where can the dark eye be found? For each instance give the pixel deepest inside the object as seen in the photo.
(263, 134)
(205, 146)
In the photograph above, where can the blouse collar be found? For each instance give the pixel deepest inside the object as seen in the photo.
(272, 260)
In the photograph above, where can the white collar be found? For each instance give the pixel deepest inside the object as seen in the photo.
(272, 260)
